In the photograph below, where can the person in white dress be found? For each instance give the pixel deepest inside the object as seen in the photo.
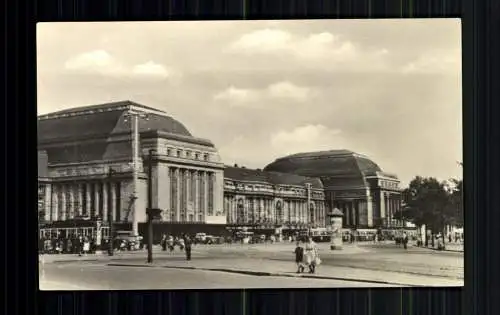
(311, 255)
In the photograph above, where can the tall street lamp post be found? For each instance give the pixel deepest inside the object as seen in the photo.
(110, 213)
(151, 212)
(134, 117)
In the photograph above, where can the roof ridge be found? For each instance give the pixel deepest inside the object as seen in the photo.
(110, 106)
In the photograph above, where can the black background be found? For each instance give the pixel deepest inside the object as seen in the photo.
(481, 114)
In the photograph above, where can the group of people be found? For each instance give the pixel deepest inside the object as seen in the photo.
(184, 242)
(74, 244)
(306, 255)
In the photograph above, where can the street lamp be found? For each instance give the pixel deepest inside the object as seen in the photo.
(110, 213)
(135, 115)
(151, 212)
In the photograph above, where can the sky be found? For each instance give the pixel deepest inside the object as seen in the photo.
(388, 89)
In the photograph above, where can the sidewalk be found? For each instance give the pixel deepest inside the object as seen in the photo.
(281, 247)
(206, 250)
(287, 269)
(459, 248)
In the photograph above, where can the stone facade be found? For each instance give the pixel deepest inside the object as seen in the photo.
(187, 172)
(272, 203)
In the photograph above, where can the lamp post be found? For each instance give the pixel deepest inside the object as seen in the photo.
(134, 116)
(110, 213)
(151, 212)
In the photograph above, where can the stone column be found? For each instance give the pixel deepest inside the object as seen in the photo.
(305, 211)
(196, 203)
(88, 199)
(189, 194)
(113, 200)
(177, 213)
(388, 210)
(80, 199)
(64, 205)
(391, 202)
(369, 207)
(205, 193)
(264, 209)
(382, 207)
(71, 202)
(47, 202)
(105, 201)
(54, 203)
(97, 196)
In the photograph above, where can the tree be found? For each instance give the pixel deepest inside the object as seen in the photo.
(456, 212)
(427, 201)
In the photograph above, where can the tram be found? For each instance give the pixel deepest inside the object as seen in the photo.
(320, 235)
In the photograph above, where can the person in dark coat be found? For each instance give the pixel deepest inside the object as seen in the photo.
(187, 246)
(405, 240)
(164, 242)
(299, 258)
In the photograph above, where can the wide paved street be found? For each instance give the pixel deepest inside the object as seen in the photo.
(101, 277)
(415, 266)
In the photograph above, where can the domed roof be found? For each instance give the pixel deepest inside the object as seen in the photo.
(103, 120)
(334, 167)
(73, 126)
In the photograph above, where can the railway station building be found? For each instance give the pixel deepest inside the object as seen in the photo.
(368, 197)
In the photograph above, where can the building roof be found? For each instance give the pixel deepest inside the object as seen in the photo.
(72, 126)
(103, 120)
(275, 178)
(342, 168)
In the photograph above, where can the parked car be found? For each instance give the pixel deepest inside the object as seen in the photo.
(200, 238)
(214, 240)
(126, 240)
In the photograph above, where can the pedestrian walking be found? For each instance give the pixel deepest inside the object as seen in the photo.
(299, 257)
(187, 247)
(311, 255)
(170, 243)
(164, 242)
(405, 240)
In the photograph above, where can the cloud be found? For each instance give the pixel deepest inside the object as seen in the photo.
(273, 41)
(262, 41)
(102, 62)
(235, 96)
(150, 68)
(311, 137)
(279, 90)
(435, 62)
(288, 90)
(99, 61)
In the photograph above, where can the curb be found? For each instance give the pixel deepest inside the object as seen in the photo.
(446, 250)
(268, 274)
